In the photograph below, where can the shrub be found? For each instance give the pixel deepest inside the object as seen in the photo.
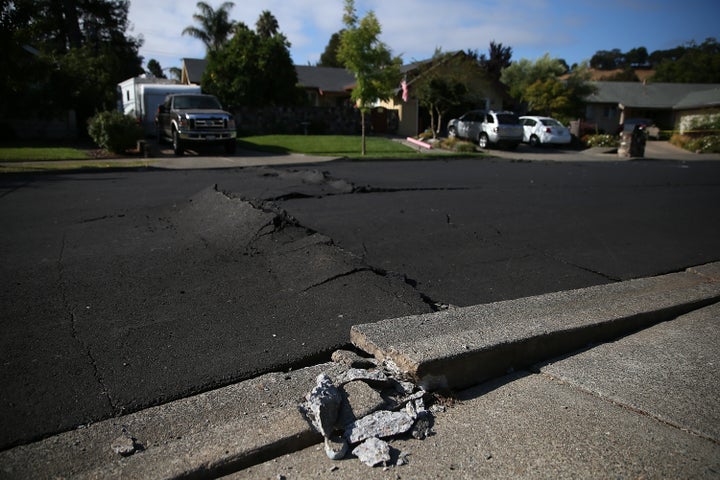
(679, 140)
(608, 141)
(706, 144)
(457, 145)
(114, 131)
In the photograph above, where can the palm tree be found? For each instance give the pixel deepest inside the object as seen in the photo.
(267, 25)
(215, 25)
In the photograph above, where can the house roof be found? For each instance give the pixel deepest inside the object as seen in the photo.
(325, 79)
(653, 95)
(194, 68)
(705, 98)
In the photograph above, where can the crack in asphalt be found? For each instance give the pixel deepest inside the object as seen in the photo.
(362, 190)
(581, 267)
(74, 330)
(337, 277)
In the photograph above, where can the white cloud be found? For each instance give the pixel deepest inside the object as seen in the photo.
(415, 28)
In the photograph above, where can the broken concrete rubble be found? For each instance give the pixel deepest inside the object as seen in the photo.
(379, 424)
(353, 360)
(373, 451)
(368, 404)
(323, 405)
(359, 399)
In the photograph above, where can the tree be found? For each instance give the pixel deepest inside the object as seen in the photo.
(498, 59)
(697, 64)
(448, 81)
(253, 71)
(155, 69)
(520, 75)
(215, 25)
(539, 85)
(607, 59)
(267, 25)
(64, 55)
(329, 56)
(377, 72)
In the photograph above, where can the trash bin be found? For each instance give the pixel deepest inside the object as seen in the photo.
(632, 143)
(637, 141)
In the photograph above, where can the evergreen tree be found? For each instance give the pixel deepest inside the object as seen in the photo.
(155, 69)
(67, 54)
(696, 64)
(252, 71)
(329, 56)
(498, 58)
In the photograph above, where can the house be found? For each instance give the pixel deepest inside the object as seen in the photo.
(671, 106)
(326, 86)
(332, 87)
(192, 71)
(413, 118)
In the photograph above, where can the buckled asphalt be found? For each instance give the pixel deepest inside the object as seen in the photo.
(617, 380)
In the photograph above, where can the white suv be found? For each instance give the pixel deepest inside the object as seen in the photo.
(487, 127)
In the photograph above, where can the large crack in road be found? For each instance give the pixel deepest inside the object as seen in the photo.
(167, 302)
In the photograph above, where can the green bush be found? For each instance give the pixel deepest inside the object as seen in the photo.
(605, 141)
(706, 144)
(114, 131)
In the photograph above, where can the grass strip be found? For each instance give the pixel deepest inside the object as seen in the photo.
(335, 146)
(31, 154)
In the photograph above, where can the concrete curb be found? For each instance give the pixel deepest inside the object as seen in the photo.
(227, 429)
(462, 347)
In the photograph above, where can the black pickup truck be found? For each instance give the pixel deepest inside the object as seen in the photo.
(199, 119)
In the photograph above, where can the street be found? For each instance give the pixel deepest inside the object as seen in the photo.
(121, 290)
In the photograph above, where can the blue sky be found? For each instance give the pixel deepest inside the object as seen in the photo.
(413, 29)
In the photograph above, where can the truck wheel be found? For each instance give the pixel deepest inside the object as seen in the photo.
(230, 147)
(483, 140)
(177, 143)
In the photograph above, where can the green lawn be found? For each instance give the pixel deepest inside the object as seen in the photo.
(332, 145)
(31, 154)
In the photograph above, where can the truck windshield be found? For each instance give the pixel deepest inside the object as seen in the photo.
(196, 101)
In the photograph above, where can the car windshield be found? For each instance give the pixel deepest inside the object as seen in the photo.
(196, 101)
(508, 119)
(551, 122)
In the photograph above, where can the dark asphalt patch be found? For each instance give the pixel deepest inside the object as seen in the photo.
(159, 303)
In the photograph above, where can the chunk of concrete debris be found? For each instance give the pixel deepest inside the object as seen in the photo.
(359, 399)
(371, 376)
(125, 445)
(422, 428)
(372, 451)
(352, 360)
(379, 424)
(336, 448)
(322, 405)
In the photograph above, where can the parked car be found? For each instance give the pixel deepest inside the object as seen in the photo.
(544, 130)
(651, 130)
(487, 127)
(198, 119)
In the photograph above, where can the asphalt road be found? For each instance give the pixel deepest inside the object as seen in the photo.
(123, 290)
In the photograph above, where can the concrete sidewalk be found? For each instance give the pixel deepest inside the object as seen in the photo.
(618, 380)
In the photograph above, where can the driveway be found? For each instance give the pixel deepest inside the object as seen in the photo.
(654, 150)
